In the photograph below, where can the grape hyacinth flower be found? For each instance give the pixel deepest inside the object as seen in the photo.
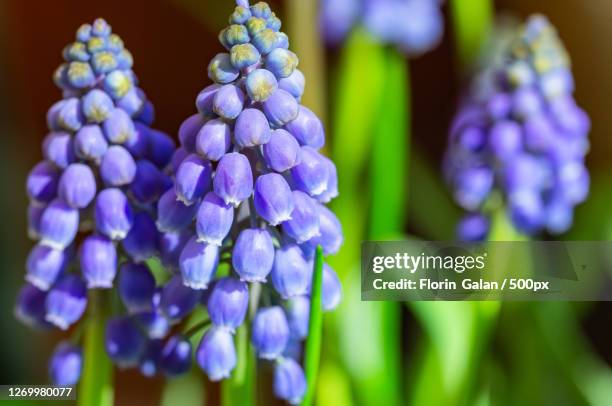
(248, 205)
(520, 136)
(413, 26)
(92, 198)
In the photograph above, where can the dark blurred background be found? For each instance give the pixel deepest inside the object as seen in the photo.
(172, 42)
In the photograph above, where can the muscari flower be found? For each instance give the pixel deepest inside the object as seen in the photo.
(264, 207)
(520, 135)
(413, 26)
(103, 168)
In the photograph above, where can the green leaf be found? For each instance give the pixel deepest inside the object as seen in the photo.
(96, 387)
(312, 351)
(472, 23)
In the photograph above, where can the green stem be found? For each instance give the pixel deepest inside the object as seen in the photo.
(96, 388)
(239, 389)
(471, 22)
(312, 352)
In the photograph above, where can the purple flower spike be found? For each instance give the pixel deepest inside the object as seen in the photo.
(30, 306)
(332, 289)
(214, 219)
(253, 255)
(65, 364)
(42, 182)
(188, 131)
(58, 225)
(311, 175)
(141, 242)
(193, 179)
(58, 148)
(282, 152)
(90, 144)
(216, 354)
(251, 129)
(289, 381)
(304, 222)
(45, 265)
(136, 287)
(113, 214)
(213, 140)
(118, 127)
(176, 356)
(174, 215)
(228, 303)
(198, 263)
(280, 108)
(228, 102)
(117, 168)
(77, 186)
(270, 333)
(124, 342)
(291, 273)
(273, 198)
(178, 300)
(233, 180)
(98, 258)
(307, 129)
(298, 316)
(66, 302)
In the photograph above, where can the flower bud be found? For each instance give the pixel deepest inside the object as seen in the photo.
(204, 100)
(331, 191)
(58, 225)
(281, 62)
(70, 116)
(113, 214)
(221, 70)
(216, 354)
(178, 300)
(505, 139)
(140, 243)
(30, 306)
(153, 324)
(294, 84)
(244, 55)
(136, 287)
(307, 129)
(148, 363)
(233, 180)
(304, 222)
(253, 255)
(66, 301)
(45, 265)
(118, 127)
(311, 175)
(188, 131)
(198, 263)
(265, 41)
(214, 219)
(172, 214)
(193, 179)
(213, 140)
(97, 106)
(289, 381)
(260, 84)
(98, 258)
(117, 84)
(251, 129)
(42, 182)
(90, 144)
(228, 102)
(35, 211)
(270, 332)
(298, 316)
(472, 187)
(290, 274)
(117, 167)
(331, 293)
(124, 342)
(273, 199)
(65, 364)
(58, 148)
(282, 152)
(330, 229)
(175, 357)
(132, 103)
(80, 75)
(148, 183)
(170, 248)
(138, 144)
(280, 108)
(228, 303)
(240, 15)
(77, 186)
